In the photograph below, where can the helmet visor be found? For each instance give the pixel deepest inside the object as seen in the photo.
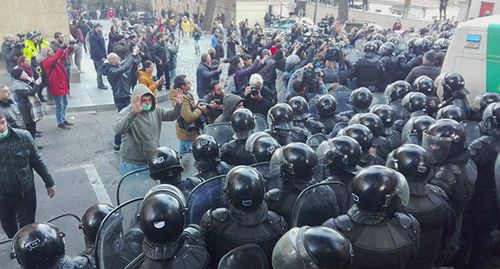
(438, 147)
(252, 139)
(290, 252)
(277, 161)
(402, 189)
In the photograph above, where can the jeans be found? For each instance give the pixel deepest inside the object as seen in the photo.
(17, 211)
(61, 104)
(78, 56)
(185, 146)
(126, 167)
(97, 66)
(120, 104)
(173, 74)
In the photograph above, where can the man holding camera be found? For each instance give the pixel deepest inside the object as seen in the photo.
(258, 97)
(188, 123)
(214, 101)
(57, 43)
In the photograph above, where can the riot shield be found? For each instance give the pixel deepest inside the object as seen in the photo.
(188, 165)
(134, 185)
(320, 202)
(260, 122)
(315, 140)
(353, 55)
(249, 256)
(222, 132)
(73, 236)
(472, 130)
(497, 178)
(207, 195)
(119, 238)
(273, 180)
(6, 254)
(379, 98)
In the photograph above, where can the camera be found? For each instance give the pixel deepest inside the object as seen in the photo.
(254, 91)
(73, 42)
(208, 106)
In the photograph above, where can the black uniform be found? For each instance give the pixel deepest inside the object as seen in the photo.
(234, 153)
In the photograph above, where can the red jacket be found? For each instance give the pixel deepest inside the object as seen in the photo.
(56, 72)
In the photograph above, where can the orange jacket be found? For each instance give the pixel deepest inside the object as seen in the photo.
(147, 79)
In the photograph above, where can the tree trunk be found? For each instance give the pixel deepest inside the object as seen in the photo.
(343, 15)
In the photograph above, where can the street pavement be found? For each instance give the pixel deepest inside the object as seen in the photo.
(81, 160)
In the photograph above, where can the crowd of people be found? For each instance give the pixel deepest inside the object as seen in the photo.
(369, 156)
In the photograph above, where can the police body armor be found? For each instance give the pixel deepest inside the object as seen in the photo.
(329, 122)
(282, 200)
(378, 242)
(187, 252)
(369, 72)
(428, 204)
(234, 153)
(186, 185)
(460, 101)
(311, 125)
(342, 95)
(219, 168)
(231, 228)
(390, 66)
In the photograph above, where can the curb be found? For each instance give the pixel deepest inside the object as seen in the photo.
(51, 109)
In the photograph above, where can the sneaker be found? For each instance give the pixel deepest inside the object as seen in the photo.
(102, 87)
(63, 126)
(68, 123)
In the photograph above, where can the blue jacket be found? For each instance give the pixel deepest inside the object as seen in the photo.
(203, 77)
(97, 46)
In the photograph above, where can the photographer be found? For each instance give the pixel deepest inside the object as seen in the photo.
(188, 123)
(337, 69)
(57, 43)
(258, 97)
(214, 100)
(306, 82)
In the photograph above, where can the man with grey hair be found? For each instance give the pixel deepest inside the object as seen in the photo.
(204, 75)
(428, 68)
(258, 97)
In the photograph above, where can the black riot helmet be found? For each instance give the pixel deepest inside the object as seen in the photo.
(487, 98)
(245, 188)
(300, 108)
(413, 161)
(164, 163)
(312, 247)
(445, 34)
(421, 124)
(451, 112)
(397, 90)
(361, 99)
(491, 116)
(162, 214)
(326, 105)
(341, 152)
(427, 44)
(38, 246)
(411, 45)
(280, 117)
(377, 189)
(243, 123)
(378, 43)
(379, 37)
(441, 44)
(443, 139)
(395, 40)
(370, 120)
(370, 48)
(361, 134)
(425, 85)
(385, 113)
(453, 84)
(295, 162)
(205, 152)
(387, 49)
(262, 146)
(92, 219)
(415, 101)
(430, 38)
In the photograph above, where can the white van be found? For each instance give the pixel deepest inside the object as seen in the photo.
(474, 52)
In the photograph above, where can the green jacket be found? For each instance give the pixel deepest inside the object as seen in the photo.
(141, 132)
(18, 157)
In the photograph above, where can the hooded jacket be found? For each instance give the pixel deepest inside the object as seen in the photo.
(141, 132)
(230, 102)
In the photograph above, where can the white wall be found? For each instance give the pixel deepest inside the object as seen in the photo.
(475, 7)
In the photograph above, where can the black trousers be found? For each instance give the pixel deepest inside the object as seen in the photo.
(17, 211)
(31, 127)
(161, 70)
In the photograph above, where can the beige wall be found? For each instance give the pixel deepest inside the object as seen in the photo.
(385, 21)
(181, 6)
(254, 11)
(22, 16)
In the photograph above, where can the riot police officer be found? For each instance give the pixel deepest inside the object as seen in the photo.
(91, 220)
(389, 64)
(454, 171)
(360, 100)
(302, 118)
(41, 245)
(280, 122)
(233, 152)
(428, 203)
(167, 242)
(454, 92)
(425, 85)
(482, 214)
(414, 129)
(482, 102)
(326, 107)
(246, 220)
(165, 166)
(312, 247)
(394, 94)
(381, 145)
(206, 156)
(295, 164)
(262, 146)
(365, 138)
(368, 70)
(386, 114)
(451, 112)
(378, 192)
